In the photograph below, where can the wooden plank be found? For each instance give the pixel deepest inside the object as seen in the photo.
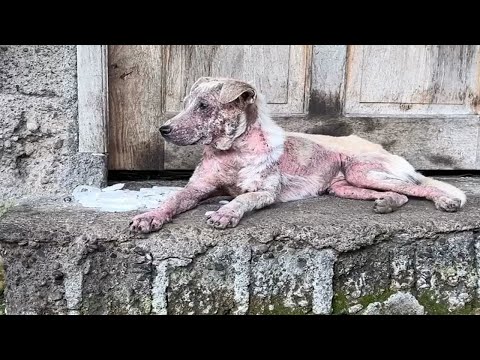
(477, 161)
(228, 61)
(299, 81)
(415, 74)
(136, 107)
(268, 70)
(282, 73)
(473, 82)
(428, 143)
(92, 98)
(174, 77)
(328, 79)
(412, 80)
(187, 63)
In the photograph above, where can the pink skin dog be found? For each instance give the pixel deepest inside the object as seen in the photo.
(251, 158)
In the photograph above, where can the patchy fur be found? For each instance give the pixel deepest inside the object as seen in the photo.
(248, 156)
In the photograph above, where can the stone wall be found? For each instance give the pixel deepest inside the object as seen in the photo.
(39, 123)
(316, 256)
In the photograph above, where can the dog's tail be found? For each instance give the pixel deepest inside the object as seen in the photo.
(448, 189)
(404, 171)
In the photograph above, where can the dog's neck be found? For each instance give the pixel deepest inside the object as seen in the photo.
(262, 133)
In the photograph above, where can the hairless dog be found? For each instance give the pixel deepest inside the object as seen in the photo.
(248, 156)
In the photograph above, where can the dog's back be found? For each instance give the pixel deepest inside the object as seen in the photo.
(348, 145)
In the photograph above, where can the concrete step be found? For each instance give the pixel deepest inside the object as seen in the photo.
(318, 256)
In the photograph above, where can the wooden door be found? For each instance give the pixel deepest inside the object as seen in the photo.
(148, 84)
(419, 101)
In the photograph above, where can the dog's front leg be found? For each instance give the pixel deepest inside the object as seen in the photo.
(229, 215)
(184, 200)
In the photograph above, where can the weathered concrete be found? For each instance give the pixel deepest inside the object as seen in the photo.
(2, 287)
(38, 123)
(318, 256)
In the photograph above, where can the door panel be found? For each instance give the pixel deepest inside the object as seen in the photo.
(281, 72)
(412, 80)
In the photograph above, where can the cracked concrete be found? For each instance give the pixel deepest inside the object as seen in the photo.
(317, 256)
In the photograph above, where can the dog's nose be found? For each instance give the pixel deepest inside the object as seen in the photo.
(165, 130)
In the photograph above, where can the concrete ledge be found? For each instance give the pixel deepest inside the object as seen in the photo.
(318, 256)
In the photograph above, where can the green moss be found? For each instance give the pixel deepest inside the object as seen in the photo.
(278, 308)
(378, 297)
(2, 279)
(92, 305)
(4, 207)
(2, 287)
(434, 306)
(341, 301)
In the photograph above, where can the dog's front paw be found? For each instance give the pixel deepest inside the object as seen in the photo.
(221, 219)
(147, 222)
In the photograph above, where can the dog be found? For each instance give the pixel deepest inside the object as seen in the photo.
(249, 157)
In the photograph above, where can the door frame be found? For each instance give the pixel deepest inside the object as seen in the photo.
(93, 112)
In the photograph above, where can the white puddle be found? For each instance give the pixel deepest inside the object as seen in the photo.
(115, 199)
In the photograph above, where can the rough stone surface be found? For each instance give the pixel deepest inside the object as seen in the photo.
(317, 256)
(440, 270)
(38, 123)
(289, 280)
(398, 304)
(2, 287)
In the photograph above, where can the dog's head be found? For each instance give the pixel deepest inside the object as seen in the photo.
(216, 113)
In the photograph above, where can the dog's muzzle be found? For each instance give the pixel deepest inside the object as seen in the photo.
(165, 130)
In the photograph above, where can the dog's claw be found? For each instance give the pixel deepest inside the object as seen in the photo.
(223, 218)
(146, 223)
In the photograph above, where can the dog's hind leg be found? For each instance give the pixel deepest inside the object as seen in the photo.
(385, 202)
(380, 176)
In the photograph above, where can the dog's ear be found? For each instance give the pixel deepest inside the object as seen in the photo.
(233, 89)
(201, 80)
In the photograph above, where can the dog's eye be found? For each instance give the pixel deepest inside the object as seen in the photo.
(202, 106)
